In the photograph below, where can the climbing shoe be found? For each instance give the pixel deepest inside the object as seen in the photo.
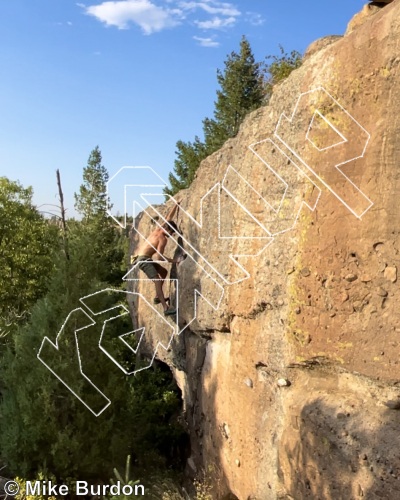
(170, 312)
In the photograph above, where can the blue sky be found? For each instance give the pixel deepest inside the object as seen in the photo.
(132, 76)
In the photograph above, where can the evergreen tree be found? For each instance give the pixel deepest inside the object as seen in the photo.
(189, 157)
(92, 202)
(27, 242)
(241, 91)
(245, 85)
(44, 427)
(104, 242)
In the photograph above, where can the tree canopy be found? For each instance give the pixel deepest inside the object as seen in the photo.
(102, 240)
(244, 85)
(27, 242)
(46, 430)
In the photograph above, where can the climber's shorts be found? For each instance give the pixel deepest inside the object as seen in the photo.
(147, 266)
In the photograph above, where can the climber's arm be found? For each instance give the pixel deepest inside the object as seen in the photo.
(172, 212)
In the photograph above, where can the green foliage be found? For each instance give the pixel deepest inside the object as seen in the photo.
(22, 492)
(241, 91)
(92, 202)
(189, 156)
(126, 480)
(27, 242)
(43, 425)
(203, 483)
(163, 486)
(245, 85)
(280, 68)
(103, 241)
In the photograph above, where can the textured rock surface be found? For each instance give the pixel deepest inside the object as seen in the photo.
(320, 44)
(360, 18)
(320, 307)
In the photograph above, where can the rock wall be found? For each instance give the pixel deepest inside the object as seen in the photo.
(289, 365)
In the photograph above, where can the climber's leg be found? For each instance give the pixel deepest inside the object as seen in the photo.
(158, 274)
(160, 295)
(162, 273)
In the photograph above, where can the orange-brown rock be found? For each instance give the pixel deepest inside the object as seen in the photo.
(320, 44)
(319, 306)
(360, 18)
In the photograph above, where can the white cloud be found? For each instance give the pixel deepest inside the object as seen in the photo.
(206, 42)
(156, 15)
(217, 23)
(212, 7)
(254, 18)
(144, 13)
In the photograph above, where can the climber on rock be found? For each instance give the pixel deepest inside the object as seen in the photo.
(155, 245)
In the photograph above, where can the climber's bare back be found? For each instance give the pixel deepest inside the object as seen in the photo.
(155, 243)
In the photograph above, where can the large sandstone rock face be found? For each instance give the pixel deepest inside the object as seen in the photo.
(318, 306)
